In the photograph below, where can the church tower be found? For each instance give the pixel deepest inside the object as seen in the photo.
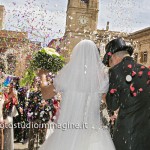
(81, 21)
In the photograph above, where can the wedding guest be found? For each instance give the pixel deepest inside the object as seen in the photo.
(21, 134)
(9, 110)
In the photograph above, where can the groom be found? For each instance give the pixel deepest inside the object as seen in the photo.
(129, 91)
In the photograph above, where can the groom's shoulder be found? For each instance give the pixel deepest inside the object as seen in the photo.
(127, 65)
(134, 66)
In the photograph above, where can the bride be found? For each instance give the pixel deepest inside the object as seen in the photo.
(82, 83)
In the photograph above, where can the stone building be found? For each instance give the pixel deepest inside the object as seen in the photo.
(81, 23)
(15, 49)
(141, 39)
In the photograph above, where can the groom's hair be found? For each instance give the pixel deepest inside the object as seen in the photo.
(121, 54)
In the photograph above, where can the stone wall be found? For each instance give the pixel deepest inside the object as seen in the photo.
(141, 39)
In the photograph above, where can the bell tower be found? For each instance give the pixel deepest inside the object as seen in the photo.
(81, 21)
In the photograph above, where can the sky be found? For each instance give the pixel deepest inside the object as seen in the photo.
(46, 19)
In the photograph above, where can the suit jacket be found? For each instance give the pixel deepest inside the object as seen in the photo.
(129, 91)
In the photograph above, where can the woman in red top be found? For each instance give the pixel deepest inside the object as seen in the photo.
(10, 102)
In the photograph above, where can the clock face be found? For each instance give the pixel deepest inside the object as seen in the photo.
(83, 20)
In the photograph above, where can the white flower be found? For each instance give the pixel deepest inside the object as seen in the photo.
(41, 115)
(30, 114)
(43, 101)
(48, 108)
(43, 119)
(42, 112)
(55, 97)
(54, 117)
(50, 51)
(50, 113)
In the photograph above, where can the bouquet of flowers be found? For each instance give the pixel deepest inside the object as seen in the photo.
(46, 59)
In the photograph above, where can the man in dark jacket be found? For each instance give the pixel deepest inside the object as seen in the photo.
(129, 91)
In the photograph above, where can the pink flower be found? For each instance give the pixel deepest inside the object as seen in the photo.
(132, 88)
(140, 73)
(141, 90)
(134, 94)
(130, 66)
(142, 67)
(133, 73)
(149, 73)
(148, 82)
(112, 91)
(109, 54)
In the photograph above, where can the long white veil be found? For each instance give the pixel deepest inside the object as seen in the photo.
(85, 71)
(82, 82)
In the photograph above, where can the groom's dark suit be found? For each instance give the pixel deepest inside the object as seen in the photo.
(130, 92)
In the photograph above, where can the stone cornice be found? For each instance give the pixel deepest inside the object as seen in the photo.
(140, 33)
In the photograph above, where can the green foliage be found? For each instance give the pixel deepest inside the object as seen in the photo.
(28, 77)
(52, 63)
(47, 59)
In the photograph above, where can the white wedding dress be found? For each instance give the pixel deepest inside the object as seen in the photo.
(82, 82)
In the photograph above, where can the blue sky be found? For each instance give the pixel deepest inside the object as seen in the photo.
(45, 19)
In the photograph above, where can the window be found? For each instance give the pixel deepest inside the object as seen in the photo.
(144, 57)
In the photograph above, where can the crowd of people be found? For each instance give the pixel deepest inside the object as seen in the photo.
(23, 111)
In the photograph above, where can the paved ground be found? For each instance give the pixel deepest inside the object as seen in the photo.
(20, 146)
